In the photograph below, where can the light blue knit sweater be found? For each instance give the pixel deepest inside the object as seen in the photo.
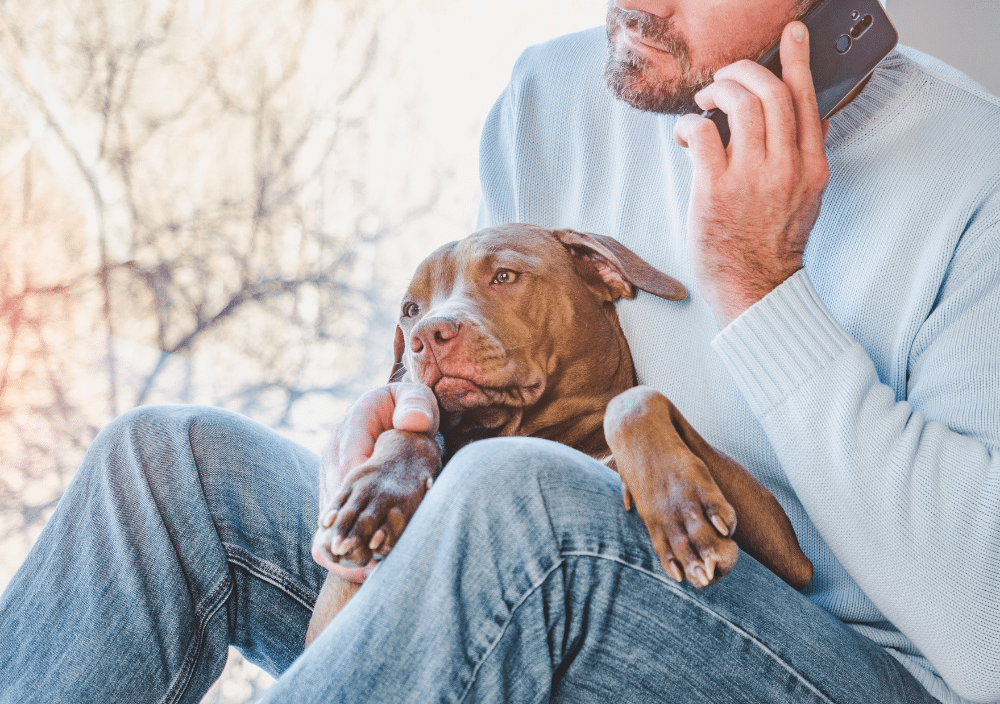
(864, 391)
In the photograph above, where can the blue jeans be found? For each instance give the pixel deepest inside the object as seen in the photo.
(521, 578)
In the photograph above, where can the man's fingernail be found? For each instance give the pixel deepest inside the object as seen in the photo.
(410, 406)
(403, 416)
(799, 32)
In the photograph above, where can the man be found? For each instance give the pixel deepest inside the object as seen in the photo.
(845, 355)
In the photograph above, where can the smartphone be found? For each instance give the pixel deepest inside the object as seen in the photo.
(847, 40)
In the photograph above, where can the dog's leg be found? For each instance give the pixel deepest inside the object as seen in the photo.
(763, 530)
(373, 505)
(376, 499)
(694, 500)
(334, 594)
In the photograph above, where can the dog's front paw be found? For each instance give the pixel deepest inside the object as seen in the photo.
(691, 527)
(377, 499)
(690, 522)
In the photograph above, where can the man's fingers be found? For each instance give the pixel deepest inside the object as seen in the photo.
(321, 549)
(798, 77)
(744, 110)
(366, 419)
(416, 408)
(701, 137)
(760, 107)
(403, 406)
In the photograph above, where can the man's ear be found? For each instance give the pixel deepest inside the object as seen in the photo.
(398, 348)
(618, 267)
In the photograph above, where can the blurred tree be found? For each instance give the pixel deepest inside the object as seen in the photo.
(183, 217)
(218, 201)
(182, 177)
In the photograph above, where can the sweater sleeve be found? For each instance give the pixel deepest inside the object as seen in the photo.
(905, 492)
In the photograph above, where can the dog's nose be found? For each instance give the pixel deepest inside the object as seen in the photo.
(437, 331)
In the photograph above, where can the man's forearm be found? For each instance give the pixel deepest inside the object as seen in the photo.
(903, 503)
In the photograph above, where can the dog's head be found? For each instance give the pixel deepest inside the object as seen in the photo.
(514, 317)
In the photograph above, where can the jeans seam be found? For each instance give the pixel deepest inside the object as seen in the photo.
(270, 573)
(203, 614)
(714, 614)
(503, 629)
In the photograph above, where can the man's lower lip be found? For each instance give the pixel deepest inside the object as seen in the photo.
(635, 42)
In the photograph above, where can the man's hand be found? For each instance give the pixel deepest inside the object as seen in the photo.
(395, 407)
(754, 203)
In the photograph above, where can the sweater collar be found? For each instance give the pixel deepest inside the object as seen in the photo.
(889, 87)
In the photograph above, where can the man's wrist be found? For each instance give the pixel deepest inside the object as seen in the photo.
(728, 302)
(780, 342)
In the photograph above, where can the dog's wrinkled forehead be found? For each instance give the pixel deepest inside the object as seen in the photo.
(435, 272)
(506, 246)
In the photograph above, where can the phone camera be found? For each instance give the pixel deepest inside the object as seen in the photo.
(862, 26)
(855, 15)
(843, 44)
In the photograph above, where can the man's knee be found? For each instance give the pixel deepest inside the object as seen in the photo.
(159, 443)
(195, 426)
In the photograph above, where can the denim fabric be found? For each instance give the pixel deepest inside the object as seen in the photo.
(520, 579)
(184, 530)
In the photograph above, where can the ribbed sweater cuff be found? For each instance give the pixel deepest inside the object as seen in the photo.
(780, 342)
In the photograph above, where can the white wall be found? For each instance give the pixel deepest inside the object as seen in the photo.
(963, 33)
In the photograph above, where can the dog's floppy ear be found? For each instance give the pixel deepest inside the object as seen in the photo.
(621, 269)
(398, 348)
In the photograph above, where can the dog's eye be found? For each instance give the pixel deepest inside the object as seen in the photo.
(505, 276)
(410, 310)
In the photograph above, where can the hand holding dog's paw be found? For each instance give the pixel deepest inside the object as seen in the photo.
(377, 499)
(690, 523)
(398, 406)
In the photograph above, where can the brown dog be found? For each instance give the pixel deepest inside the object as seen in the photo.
(514, 329)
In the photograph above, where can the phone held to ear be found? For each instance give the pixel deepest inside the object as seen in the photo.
(847, 40)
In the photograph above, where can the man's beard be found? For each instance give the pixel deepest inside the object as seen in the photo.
(628, 74)
(631, 78)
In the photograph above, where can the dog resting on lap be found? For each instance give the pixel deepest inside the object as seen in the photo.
(514, 329)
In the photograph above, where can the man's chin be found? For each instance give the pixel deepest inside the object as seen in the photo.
(629, 81)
